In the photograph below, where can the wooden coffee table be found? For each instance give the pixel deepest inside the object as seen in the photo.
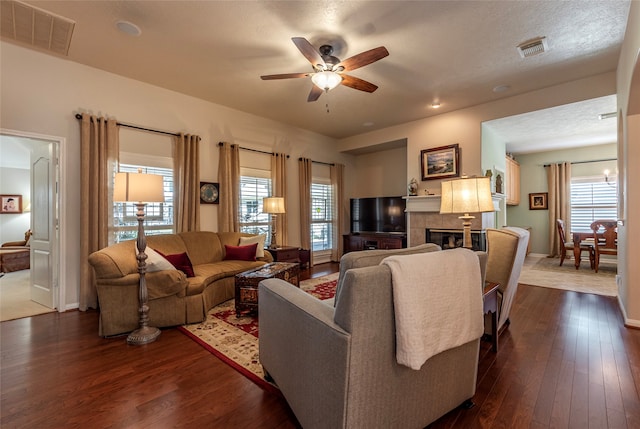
(247, 284)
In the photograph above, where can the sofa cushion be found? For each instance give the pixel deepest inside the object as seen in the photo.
(181, 261)
(157, 262)
(240, 253)
(203, 247)
(259, 239)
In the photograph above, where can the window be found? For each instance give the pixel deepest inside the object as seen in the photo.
(592, 198)
(321, 217)
(253, 188)
(158, 216)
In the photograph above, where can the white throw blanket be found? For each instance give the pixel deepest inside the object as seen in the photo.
(437, 303)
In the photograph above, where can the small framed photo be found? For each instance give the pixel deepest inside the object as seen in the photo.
(539, 201)
(440, 163)
(11, 204)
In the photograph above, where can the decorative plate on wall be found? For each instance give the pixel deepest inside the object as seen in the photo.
(209, 193)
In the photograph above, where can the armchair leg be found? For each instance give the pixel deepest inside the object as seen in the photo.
(468, 404)
(267, 376)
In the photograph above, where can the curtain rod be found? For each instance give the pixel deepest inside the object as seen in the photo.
(253, 150)
(587, 162)
(320, 162)
(136, 127)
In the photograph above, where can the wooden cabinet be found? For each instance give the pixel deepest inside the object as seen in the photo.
(512, 181)
(364, 241)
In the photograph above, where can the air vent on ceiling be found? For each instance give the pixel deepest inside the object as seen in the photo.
(35, 27)
(533, 47)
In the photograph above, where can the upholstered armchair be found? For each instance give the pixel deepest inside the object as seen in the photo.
(506, 250)
(337, 366)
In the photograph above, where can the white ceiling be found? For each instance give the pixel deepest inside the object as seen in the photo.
(453, 52)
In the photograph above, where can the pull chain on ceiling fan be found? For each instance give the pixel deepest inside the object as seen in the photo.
(329, 70)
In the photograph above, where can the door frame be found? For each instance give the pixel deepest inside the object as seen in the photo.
(59, 301)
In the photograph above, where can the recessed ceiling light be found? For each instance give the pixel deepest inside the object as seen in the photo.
(501, 88)
(367, 124)
(435, 104)
(128, 28)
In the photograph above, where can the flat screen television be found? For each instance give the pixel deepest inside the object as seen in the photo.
(378, 214)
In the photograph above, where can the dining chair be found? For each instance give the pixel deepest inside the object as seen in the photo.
(605, 242)
(567, 246)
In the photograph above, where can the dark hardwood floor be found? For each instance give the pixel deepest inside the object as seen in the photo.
(566, 361)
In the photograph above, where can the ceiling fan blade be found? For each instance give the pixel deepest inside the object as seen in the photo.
(315, 93)
(284, 76)
(357, 83)
(309, 52)
(363, 58)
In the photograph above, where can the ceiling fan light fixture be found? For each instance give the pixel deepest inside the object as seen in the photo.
(326, 80)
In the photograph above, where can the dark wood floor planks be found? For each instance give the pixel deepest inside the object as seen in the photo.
(566, 361)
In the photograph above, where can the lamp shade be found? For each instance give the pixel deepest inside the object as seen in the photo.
(273, 205)
(138, 187)
(326, 80)
(466, 195)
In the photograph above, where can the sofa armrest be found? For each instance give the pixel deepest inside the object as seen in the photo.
(159, 283)
(268, 257)
(21, 243)
(301, 346)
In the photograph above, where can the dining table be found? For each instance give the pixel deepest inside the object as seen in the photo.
(587, 237)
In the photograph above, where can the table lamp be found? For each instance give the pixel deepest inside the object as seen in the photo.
(466, 195)
(141, 189)
(273, 206)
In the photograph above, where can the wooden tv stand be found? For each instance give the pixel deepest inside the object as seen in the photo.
(373, 240)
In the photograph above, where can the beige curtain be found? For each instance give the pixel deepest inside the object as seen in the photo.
(229, 178)
(559, 185)
(304, 174)
(186, 185)
(99, 161)
(279, 189)
(336, 172)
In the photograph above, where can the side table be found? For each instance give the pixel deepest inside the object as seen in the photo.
(490, 300)
(290, 254)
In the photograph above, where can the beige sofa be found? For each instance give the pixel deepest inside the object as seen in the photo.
(174, 298)
(336, 366)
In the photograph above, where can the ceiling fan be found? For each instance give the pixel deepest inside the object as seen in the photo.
(329, 70)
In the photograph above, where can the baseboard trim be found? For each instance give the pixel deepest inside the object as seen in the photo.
(629, 323)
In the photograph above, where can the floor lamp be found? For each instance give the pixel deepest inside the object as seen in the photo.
(274, 206)
(141, 189)
(466, 195)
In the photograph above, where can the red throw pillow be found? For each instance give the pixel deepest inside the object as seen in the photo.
(181, 261)
(240, 253)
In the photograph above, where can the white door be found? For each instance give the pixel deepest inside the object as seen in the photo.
(44, 274)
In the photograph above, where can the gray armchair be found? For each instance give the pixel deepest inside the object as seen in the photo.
(336, 366)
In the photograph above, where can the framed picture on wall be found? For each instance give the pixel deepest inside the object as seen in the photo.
(11, 204)
(209, 193)
(440, 162)
(538, 201)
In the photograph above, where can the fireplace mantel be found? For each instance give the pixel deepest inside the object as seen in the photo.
(423, 211)
(431, 203)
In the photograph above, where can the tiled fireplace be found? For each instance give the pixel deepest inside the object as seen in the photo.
(424, 212)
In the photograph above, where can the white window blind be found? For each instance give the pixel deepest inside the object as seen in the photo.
(158, 216)
(321, 217)
(592, 198)
(252, 190)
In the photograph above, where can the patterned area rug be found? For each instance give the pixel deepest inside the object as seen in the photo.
(538, 270)
(235, 339)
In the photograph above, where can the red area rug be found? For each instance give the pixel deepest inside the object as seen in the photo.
(235, 339)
